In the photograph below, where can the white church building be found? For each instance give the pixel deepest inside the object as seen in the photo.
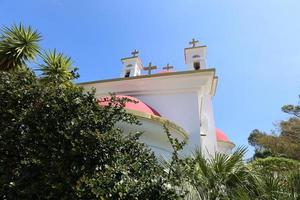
(180, 100)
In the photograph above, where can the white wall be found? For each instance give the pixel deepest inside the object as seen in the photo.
(182, 109)
(209, 142)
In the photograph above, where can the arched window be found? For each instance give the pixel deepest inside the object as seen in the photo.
(196, 65)
(127, 73)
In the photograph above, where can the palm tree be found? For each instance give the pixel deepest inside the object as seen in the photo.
(221, 177)
(57, 68)
(279, 178)
(18, 45)
(294, 184)
(280, 187)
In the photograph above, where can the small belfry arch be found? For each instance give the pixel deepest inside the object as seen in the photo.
(132, 65)
(196, 65)
(127, 73)
(195, 55)
(196, 62)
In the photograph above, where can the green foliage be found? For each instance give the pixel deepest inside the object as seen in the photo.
(57, 68)
(275, 165)
(292, 109)
(278, 177)
(175, 167)
(222, 176)
(294, 184)
(257, 139)
(57, 143)
(285, 144)
(285, 187)
(18, 44)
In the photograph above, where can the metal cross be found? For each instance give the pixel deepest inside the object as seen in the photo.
(168, 67)
(150, 68)
(194, 42)
(134, 53)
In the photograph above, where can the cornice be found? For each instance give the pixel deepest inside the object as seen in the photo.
(229, 143)
(202, 46)
(211, 70)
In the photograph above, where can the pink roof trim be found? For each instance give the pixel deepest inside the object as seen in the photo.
(139, 106)
(221, 136)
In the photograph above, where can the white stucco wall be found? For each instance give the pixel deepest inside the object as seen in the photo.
(209, 141)
(180, 108)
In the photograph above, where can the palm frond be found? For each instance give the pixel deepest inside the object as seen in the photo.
(18, 45)
(57, 67)
(222, 176)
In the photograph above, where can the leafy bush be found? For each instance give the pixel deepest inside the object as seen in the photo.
(275, 165)
(57, 143)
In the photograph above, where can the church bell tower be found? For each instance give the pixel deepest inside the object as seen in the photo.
(132, 66)
(195, 56)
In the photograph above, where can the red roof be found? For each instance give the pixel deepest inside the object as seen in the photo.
(139, 106)
(221, 136)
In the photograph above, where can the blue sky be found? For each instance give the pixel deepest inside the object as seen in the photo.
(254, 46)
